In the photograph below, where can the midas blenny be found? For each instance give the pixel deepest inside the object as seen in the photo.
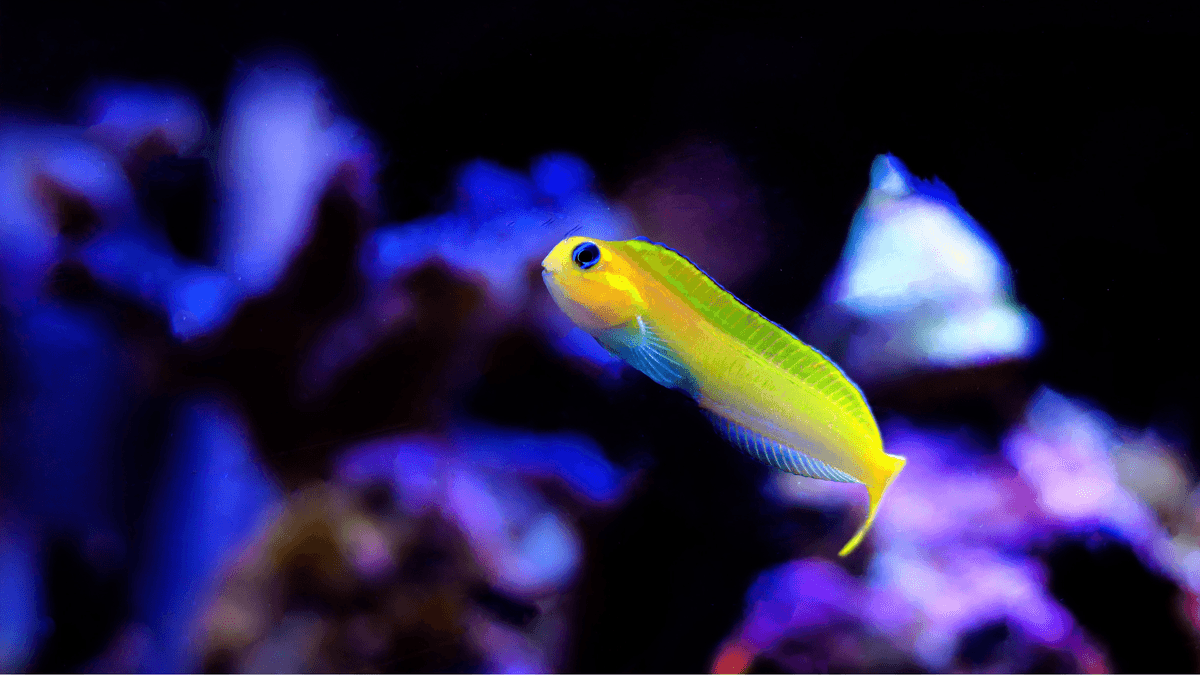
(779, 400)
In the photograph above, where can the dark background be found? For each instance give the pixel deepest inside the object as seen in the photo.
(1068, 132)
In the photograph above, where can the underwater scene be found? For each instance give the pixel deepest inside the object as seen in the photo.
(595, 340)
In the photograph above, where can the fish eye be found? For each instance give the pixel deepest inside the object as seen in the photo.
(586, 255)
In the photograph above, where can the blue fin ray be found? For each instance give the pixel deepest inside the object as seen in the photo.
(775, 454)
(642, 347)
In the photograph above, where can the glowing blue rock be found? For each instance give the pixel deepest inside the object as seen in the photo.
(483, 479)
(122, 116)
(486, 190)
(573, 458)
(20, 602)
(503, 223)
(66, 399)
(561, 175)
(141, 264)
(282, 146)
(500, 228)
(33, 158)
(211, 496)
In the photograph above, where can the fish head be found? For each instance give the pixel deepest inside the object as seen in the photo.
(593, 282)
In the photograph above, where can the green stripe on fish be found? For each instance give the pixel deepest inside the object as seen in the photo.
(767, 338)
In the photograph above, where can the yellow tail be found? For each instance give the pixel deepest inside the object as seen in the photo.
(875, 490)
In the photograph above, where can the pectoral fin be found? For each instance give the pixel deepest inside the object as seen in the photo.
(641, 346)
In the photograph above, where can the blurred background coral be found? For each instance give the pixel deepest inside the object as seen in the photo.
(282, 389)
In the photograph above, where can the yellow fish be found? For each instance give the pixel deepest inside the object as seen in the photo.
(779, 400)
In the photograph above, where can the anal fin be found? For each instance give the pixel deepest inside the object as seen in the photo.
(775, 454)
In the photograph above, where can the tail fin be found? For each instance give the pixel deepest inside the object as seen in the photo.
(875, 490)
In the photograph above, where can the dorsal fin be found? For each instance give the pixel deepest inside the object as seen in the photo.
(760, 334)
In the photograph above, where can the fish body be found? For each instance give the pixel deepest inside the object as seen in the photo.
(781, 401)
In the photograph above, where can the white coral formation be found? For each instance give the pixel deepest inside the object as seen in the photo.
(925, 284)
